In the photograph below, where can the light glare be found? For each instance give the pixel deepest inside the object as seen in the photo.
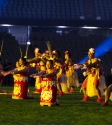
(62, 27)
(5, 25)
(28, 43)
(89, 27)
(104, 47)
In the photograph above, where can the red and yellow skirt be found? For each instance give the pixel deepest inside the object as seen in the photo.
(20, 90)
(48, 92)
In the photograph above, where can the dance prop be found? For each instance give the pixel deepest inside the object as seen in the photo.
(49, 48)
(20, 51)
(28, 43)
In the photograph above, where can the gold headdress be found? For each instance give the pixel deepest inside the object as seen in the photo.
(91, 50)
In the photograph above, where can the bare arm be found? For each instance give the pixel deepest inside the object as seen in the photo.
(20, 71)
(32, 60)
(37, 74)
(53, 74)
(96, 63)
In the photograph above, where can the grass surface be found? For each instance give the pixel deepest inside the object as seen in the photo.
(72, 111)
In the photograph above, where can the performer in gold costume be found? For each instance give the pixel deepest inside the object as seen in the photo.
(90, 86)
(33, 62)
(61, 76)
(20, 75)
(41, 70)
(56, 58)
(48, 86)
(72, 77)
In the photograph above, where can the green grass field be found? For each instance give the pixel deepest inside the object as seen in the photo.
(72, 111)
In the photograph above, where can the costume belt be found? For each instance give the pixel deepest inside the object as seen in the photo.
(48, 79)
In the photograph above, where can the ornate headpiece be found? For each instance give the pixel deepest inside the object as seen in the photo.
(54, 52)
(66, 52)
(46, 52)
(36, 50)
(91, 50)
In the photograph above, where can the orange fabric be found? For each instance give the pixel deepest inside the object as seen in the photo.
(84, 84)
(96, 81)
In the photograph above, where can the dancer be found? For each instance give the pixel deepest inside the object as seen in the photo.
(61, 77)
(48, 86)
(41, 70)
(56, 58)
(72, 77)
(20, 74)
(108, 95)
(34, 61)
(1, 72)
(47, 56)
(1, 80)
(90, 86)
(20, 80)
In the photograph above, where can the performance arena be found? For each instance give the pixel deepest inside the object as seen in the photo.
(55, 62)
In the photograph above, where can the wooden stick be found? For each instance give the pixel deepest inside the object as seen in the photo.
(20, 51)
(27, 50)
(49, 48)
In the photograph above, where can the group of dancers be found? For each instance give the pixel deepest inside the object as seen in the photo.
(54, 76)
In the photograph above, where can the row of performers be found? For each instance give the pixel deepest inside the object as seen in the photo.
(66, 75)
(53, 74)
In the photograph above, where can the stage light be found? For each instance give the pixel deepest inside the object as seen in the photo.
(28, 43)
(6, 25)
(83, 60)
(89, 27)
(62, 26)
(104, 47)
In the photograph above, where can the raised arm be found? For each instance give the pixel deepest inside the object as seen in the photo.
(32, 60)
